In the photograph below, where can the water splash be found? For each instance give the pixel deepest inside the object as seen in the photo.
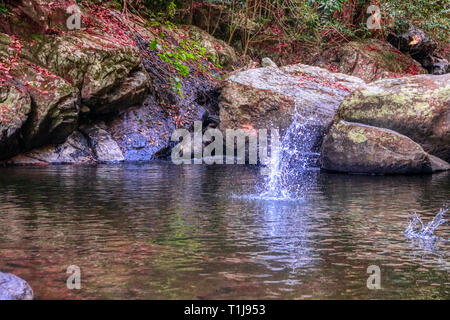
(417, 230)
(289, 169)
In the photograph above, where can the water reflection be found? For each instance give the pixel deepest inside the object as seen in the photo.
(162, 231)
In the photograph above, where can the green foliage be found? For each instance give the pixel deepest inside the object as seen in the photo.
(431, 15)
(327, 7)
(3, 8)
(188, 53)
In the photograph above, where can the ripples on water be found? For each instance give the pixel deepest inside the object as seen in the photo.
(161, 231)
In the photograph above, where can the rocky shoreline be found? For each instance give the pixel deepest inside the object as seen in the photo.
(109, 93)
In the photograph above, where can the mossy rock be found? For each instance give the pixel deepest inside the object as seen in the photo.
(358, 148)
(369, 60)
(417, 106)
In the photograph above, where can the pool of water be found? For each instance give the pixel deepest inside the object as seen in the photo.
(160, 231)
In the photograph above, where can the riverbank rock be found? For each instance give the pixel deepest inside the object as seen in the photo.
(104, 88)
(417, 107)
(357, 148)
(108, 72)
(369, 60)
(421, 47)
(267, 98)
(15, 105)
(14, 288)
(50, 113)
(75, 150)
(105, 148)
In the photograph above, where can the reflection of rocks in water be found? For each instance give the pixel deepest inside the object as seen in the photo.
(354, 192)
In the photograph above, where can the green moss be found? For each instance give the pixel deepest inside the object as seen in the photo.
(357, 136)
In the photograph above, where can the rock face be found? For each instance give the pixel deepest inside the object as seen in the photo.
(49, 114)
(267, 98)
(357, 148)
(109, 73)
(14, 288)
(47, 81)
(417, 107)
(15, 105)
(369, 60)
(99, 94)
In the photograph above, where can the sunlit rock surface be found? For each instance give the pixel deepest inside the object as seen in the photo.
(268, 97)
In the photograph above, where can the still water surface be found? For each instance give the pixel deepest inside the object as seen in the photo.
(160, 231)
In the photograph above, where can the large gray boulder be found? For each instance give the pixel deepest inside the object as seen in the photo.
(14, 288)
(269, 97)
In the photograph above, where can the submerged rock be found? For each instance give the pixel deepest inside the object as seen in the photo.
(369, 60)
(267, 98)
(14, 288)
(357, 148)
(417, 107)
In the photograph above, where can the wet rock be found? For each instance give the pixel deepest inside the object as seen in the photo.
(369, 60)
(143, 132)
(357, 148)
(417, 107)
(268, 97)
(14, 288)
(103, 145)
(100, 72)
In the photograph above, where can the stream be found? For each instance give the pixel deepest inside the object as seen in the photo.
(161, 231)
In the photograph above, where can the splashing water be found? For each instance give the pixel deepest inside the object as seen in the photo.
(290, 165)
(417, 229)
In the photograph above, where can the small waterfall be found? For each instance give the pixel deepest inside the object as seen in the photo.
(289, 175)
(417, 230)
